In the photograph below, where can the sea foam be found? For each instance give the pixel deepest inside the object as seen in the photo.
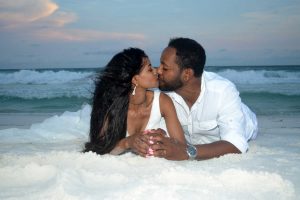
(43, 77)
(261, 76)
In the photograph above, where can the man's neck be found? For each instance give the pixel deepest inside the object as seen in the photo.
(190, 91)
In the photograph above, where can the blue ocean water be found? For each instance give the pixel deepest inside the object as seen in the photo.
(267, 90)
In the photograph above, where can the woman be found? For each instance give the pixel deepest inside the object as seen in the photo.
(123, 107)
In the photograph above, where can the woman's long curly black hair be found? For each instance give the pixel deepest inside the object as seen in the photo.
(113, 86)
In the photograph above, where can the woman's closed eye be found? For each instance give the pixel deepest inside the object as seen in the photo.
(150, 69)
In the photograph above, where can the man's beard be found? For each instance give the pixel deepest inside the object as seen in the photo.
(171, 86)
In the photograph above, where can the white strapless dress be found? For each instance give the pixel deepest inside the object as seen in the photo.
(155, 114)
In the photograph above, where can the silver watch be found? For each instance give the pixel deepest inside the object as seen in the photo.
(192, 151)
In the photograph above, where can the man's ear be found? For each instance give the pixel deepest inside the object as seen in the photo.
(188, 73)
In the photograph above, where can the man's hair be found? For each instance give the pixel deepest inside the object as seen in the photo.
(189, 53)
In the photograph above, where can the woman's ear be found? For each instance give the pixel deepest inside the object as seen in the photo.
(134, 80)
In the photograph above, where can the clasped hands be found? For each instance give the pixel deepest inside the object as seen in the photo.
(155, 143)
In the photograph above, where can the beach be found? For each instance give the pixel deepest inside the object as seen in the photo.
(40, 147)
(52, 167)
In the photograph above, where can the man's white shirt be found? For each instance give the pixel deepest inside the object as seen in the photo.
(218, 114)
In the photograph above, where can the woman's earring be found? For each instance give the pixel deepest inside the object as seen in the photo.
(133, 92)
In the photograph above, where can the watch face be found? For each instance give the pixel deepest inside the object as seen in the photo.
(192, 151)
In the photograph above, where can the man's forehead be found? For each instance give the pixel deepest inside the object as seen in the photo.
(169, 52)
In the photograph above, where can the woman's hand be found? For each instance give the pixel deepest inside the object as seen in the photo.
(138, 143)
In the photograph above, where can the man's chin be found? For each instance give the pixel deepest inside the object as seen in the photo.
(165, 89)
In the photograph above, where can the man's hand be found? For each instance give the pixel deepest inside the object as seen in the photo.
(166, 147)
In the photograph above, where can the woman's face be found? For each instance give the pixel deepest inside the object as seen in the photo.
(147, 77)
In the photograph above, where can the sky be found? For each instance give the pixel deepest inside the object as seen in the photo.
(87, 33)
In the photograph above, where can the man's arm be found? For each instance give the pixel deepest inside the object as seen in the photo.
(215, 149)
(173, 150)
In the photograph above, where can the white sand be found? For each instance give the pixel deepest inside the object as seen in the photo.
(44, 162)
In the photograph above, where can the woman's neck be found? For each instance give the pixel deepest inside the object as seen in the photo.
(139, 99)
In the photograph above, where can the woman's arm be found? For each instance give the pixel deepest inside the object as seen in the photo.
(168, 111)
(121, 147)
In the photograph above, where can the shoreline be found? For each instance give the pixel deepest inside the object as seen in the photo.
(25, 120)
(22, 120)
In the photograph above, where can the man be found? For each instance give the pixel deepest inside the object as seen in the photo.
(209, 108)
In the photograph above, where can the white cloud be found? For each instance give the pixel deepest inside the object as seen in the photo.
(278, 18)
(42, 19)
(275, 28)
(59, 19)
(17, 12)
(86, 35)
(259, 16)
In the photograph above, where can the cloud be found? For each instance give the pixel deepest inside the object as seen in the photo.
(42, 19)
(86, 35)
(100, 52)
(277, 27)
(18, 12)
(222, 50)
(283, 17)
(59, 19)
(259, 16)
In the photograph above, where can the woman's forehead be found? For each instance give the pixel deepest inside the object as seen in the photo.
(145, 60)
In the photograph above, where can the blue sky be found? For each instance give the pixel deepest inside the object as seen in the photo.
(87, 33)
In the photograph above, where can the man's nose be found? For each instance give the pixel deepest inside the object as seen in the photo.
(159, 70)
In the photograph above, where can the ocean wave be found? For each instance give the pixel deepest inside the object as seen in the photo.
(271, 95)
(31, 94)
(288, 89)
(32, 99)
(47, 91)
(272, 104)
(44, 77)
(260, 76)
(9, 104)
(238, 76)
(53, 88)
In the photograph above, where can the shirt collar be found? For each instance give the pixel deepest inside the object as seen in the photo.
(203, 87)
(180, 100)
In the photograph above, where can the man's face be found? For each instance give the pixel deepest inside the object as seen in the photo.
(169, 72)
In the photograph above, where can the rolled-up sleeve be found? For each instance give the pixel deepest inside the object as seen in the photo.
(231, 120)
